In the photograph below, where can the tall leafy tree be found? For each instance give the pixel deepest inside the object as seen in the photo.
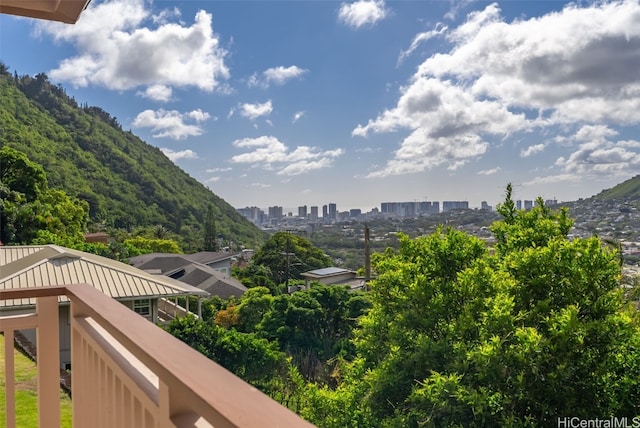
(20, 175)
(28, 207)
(288, 255)
(461, 336)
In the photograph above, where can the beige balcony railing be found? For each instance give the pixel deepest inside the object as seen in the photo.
(127, 372)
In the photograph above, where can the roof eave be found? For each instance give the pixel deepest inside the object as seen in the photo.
(67, 11)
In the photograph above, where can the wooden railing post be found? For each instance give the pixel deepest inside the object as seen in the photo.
(9, 380)
(126, 372)
(79, 375)
(48, 344)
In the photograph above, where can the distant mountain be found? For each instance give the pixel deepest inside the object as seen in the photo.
(629, 189)
(127, 182)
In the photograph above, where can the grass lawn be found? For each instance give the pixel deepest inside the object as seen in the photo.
(27, 393)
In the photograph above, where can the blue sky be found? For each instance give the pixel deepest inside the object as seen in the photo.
(308, 102)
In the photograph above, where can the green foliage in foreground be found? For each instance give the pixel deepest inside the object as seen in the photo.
(459, 336)
(454, 333)
(248, 356)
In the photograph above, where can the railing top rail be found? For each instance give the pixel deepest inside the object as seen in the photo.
(213, 391)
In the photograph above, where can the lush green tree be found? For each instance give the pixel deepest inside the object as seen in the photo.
(255, 275)
(255, 303)
(254, 359)
(141, 245)
(21, 175)
(288, 255)
(29, 208)
(460, 336)
(313, 326)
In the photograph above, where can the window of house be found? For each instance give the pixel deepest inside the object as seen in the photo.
(142, 307)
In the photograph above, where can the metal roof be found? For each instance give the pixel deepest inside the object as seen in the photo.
(329, 271)
(206, 257)
(214, 282)
(41, 266)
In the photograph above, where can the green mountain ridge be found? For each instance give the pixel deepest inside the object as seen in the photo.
(127, 182)
(629, 189)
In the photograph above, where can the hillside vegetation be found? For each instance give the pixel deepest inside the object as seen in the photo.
(126, 182)
(629, 189)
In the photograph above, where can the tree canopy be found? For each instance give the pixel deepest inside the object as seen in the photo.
(288, 255)
(29, 209)
(454, 331)
(462, 336)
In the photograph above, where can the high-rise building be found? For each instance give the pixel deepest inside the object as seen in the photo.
(333, 211)
(302, 211)
(275, 213)
(528, 205)
(255, 214)
(454, 205)
(325, 212)
(314, 213)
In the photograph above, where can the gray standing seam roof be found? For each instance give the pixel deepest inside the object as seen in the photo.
(41, 266)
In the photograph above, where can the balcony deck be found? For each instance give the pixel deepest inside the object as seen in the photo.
(127, 372)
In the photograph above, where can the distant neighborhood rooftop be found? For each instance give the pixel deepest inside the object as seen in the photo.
(325, 272)
(203, 270)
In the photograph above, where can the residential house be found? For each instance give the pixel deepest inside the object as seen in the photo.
(332, 276)
(214, 277)
(218, 260)
(49, 265)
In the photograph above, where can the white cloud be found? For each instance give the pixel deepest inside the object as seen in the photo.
(271, 154)
(595, 133)
(276, 75)
(297, 116)
(549, 179)
(489, 171)
(183, 154)
(598, 158)
(362, 13)
(121, 45)
(422, 37)
(219, 170)
(157, 93)
(571, 69)
(561, 62)
(254, 111)
(447, 126)
(198, 115)
(212, 179)
(171, 124)
(532, 150)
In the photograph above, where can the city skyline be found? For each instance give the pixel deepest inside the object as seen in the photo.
(424, 207)
(362, 101)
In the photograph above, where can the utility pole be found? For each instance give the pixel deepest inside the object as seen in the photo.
(367, 255)
(287, 254)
